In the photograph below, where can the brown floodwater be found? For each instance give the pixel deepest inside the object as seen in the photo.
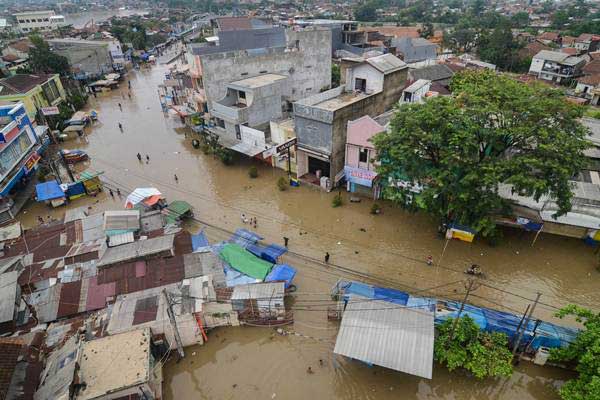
(388, 249)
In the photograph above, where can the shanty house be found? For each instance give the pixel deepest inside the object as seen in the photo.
(262, 299)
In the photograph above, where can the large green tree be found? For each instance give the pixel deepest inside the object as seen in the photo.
(464, 346)
(366, 12)
(585, 352)
(44, 60)
(499, 47)
(493, 130)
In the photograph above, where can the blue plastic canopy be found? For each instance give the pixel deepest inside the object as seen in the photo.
(48, 191)
(282, 272)
(269, 253)
(199, 240)
(244, 237)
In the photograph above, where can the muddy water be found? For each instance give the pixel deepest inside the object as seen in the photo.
(390, 248)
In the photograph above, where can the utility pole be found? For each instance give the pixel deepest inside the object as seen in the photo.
(524, 327)
(174, 324)
(462, 306)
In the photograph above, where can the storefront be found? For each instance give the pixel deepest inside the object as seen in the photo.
(362, 181)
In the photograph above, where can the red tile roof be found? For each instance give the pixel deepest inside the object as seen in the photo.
(234, 23)
(549, 36)
(591, 68)
(572, 51)
(593, 80)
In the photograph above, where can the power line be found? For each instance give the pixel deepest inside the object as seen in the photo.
(276, 220)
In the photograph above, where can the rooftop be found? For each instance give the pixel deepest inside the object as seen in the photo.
(21, 83)
(332, 99)
(386, 63)
(388, 335)
(258, 81)
(141, 248)
(8, 295)
(258, 291)
(113, 363)
(559, 57)
(418, 84)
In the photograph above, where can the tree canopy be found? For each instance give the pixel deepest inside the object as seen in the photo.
(585, 352)
(481, 353)
(493, 130)
(43, 60)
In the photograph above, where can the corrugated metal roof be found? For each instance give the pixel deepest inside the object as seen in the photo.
(141, 248)
(386, 63)
(92, 227)
(8, 295)
(388, 335)
(122, 220)
(202, 264)
(121, 238)
(258, 291)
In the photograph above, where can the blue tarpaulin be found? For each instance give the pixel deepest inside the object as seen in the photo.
(199, 240)
(269, 253)
(48, 191)
(391, 295)
(282, 272)
(546, 334)
(244, 238)
(235, 278)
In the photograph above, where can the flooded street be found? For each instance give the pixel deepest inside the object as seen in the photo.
(388, 249)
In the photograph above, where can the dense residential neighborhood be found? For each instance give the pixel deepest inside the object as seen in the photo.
(242, 199)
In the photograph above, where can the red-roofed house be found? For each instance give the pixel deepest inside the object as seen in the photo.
(587, 42)
(359, 170)
(549, 37)
(572, 51)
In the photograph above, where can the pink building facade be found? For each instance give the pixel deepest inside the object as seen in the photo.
(360, 170)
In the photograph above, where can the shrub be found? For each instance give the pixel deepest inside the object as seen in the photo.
(225, 155)
(337, 200)
(253, 172)
(375, 209)
(282, 184)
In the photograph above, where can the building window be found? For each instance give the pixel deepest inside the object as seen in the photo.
(238, 134)
(242, 95)
(13, 153)
(360, 84)
(363, 155)
(264, 71)
(220, 123)
(21, 21)
(51, 91)
(46, 19)
(244, 73)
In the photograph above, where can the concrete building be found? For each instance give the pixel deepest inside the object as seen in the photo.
(34, 91)
(369, 87)
(249, 103)
(360, 168)
(89, 59)
(300, 58)
(39, 20)
(556, 66)
(586, 42)
(413, 50)
(19, 155)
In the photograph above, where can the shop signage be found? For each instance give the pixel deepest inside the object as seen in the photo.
(286, 145)
(50, 111)
(360, 176)
(31, 162)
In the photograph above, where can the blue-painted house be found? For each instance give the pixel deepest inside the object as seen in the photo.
(20, 152)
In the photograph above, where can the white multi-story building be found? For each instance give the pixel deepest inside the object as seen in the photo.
(39, 20)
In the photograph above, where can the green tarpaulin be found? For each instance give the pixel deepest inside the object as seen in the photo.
(244, 261)
(177, 210)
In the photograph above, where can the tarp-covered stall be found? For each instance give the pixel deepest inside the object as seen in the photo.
(50, 192)
(242, 260)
